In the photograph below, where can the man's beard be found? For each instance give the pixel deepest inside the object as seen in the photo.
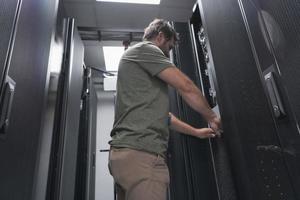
(165, 51)
(167, 55)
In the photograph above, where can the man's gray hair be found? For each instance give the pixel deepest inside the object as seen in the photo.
(160, 25)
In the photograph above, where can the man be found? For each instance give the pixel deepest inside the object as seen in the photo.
(142, 119)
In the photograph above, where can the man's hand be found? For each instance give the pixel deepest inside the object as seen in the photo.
(216, 124)
(187, 129)
(204, 133)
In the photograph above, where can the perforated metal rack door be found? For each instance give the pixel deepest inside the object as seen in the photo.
(273, 31)
(281, 19)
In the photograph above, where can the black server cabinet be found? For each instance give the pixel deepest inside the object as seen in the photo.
(9, 15)
(63, 164)
(26, 32)
(191, 165)
(250, 52)
(226, 188)
(91, 145)
(86, 160)
(273, 29)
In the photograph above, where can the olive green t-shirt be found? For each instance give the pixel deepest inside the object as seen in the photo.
(142, 103)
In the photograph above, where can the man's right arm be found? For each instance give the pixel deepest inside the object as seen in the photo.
(191, 94)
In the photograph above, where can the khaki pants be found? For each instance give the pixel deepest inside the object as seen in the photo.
(138, 175)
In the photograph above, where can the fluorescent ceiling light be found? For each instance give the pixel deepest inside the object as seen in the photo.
(134, 1)
(112, 56)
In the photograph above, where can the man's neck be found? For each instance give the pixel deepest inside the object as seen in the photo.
(153, 41)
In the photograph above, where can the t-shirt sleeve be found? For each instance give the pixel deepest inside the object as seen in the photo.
(152, 59)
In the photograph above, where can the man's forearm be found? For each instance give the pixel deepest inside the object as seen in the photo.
(197, 101)
(180, 126)
(191, 94)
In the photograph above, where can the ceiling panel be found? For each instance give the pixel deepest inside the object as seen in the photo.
(81, 1)
(121, 17)
(184, 4)
(106, 15)
(169, 3)
(94, 52)
(84, 13)
(182, 15)
(125, 16)
(138, 16)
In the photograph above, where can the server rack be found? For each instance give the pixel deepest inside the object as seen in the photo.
(273, 32)
(194, 178)
(249, 71)
(26, 30)
(10, 11)
(86, 160)
(226, 188)
(62, 174)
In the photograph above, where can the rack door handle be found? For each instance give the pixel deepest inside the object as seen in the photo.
(6, 104)
(274, 95)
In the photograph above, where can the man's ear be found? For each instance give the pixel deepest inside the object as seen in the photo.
(161, 36)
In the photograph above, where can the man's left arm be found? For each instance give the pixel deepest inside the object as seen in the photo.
(182, 127)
